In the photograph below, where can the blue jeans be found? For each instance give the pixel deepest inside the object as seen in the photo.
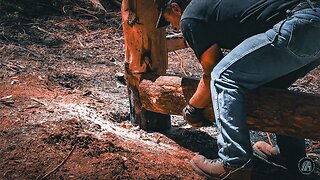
(285, 52)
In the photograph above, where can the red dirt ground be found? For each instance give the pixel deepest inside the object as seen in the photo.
(62, 95)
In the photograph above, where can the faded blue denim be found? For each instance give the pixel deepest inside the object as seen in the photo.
(291, 47)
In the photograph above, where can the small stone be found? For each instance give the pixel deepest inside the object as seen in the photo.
(124, 158)
(120, 77)
(14, 81)
(112, 59)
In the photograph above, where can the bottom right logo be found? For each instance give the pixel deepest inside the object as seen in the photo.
(306, 166)
(310, 165)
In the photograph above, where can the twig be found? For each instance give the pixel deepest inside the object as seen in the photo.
(98, 5)
(40, 29)
(72, 21)
(102, 31)
(313, 154)
(80, 41)
(113, 14)
(95, 18)
(181, 63)
(31, 107)
(13, 67)
(78, 8)
(117, 2)
(84, 11)
(6, 97)
(269, 138)
(46, 105)
(313, 147)
(61, 164)
(7, 103)
(38, 101)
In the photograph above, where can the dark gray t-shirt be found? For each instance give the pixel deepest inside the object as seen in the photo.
(229, 22)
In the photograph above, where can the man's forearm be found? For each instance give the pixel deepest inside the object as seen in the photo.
(201, 98)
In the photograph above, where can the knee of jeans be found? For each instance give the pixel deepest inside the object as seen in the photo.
(219, 76)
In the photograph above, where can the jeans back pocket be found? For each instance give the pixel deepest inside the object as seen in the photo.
(305, 38)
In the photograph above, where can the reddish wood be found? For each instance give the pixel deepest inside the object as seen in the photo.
(280, 111)
(145, 52)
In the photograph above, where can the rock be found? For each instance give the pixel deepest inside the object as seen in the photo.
(120, 77)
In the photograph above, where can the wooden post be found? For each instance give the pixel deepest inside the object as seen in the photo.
(145, 52)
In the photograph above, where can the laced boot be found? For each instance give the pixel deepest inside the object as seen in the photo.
(214, 169)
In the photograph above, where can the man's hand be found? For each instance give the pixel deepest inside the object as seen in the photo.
(195, 116)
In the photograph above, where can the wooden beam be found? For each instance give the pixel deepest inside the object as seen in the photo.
(176, 42)
(272, 110)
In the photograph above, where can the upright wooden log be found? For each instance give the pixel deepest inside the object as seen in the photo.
(272, 110)
(145, 52)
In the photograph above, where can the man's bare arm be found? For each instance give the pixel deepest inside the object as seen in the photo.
(209, 59)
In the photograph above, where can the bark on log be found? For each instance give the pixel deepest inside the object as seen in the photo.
(272, 110)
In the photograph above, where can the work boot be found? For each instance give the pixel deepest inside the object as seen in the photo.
(214, 169)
